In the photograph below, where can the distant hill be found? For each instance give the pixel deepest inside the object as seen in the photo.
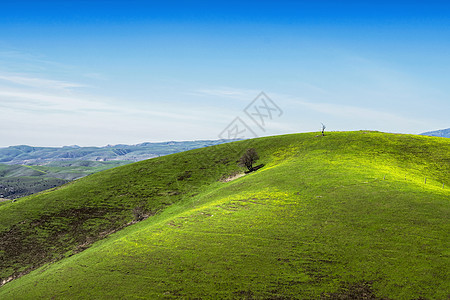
(25, 170)
(439, 133)
(20, 180)
(29, 155)
(348, 215)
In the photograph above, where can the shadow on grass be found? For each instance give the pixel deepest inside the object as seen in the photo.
(254, 169)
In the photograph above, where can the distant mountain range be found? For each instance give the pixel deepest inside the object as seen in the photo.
(26, 170)
(28, 155)
(440, 133)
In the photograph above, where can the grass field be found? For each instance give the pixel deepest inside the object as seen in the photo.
(334, 217)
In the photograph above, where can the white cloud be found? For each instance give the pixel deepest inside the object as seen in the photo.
(351, 117)
(227, 92)
(40, 82)
(36, 115)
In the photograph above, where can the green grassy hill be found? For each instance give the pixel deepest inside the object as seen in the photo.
(333, 217)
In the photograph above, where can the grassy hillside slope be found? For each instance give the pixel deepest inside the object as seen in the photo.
(326, 217)
(65, 220)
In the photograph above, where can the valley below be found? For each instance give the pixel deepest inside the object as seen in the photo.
(26, 170)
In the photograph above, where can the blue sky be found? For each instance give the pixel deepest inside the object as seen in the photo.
(108, 72)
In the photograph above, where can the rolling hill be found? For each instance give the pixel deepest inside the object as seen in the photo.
(348, 215)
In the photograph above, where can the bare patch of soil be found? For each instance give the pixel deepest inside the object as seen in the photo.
(232, 177)
(355, 291)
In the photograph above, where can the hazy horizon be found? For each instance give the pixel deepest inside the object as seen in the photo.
(93, 73)
(169, 141)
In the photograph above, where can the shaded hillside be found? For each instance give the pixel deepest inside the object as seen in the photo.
(345, 215)
(12, 188)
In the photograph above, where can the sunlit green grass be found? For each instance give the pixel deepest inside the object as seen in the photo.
(322, 214)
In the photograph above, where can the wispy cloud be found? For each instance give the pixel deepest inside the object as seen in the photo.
(346, 114)
(347, 111)
(227, 92)
(47, 103)
(35, 82)
(51, 112)
(96, 76)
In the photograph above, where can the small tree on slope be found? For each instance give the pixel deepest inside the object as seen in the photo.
(248, 159)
